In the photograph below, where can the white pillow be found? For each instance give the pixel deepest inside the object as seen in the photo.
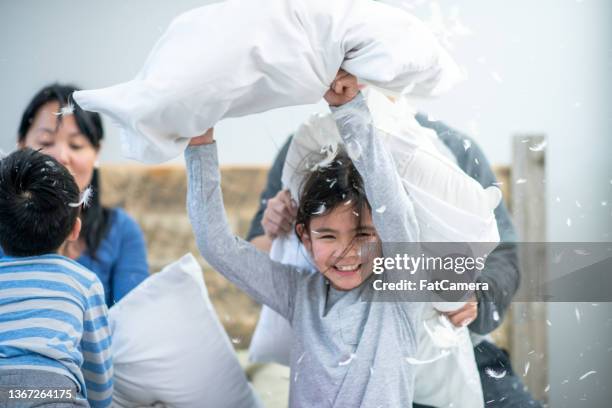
(169, 347)
(446, 374)
(238, 57)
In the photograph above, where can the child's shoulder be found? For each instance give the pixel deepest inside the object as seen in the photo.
(53, 265)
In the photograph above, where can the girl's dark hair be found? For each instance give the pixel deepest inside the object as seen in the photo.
(95, 218)
(331, 186)
(38, 203)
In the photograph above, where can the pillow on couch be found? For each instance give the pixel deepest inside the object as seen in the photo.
(169, 348)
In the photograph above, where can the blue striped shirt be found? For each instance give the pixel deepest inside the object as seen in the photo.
(53, 317)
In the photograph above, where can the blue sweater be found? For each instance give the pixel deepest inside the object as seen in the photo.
(121, 259)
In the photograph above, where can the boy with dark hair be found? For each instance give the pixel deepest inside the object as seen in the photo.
(54, 333)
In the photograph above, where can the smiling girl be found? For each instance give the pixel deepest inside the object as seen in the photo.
(347, 353)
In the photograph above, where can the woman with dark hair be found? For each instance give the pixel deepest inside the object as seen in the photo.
(111, 244)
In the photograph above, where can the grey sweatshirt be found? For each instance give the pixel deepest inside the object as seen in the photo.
(347, 353)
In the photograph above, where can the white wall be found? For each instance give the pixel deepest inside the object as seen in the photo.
(533, 67)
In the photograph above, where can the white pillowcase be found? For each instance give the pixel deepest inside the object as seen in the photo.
(169, 348)
(450, 205)
(450, 375)
(237, 57)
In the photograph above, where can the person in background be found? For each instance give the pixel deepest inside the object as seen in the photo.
(111, 243)
(277, 213)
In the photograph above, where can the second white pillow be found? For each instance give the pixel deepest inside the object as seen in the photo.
(169, 348)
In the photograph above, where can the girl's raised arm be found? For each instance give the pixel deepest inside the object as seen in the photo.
(392, 210)
(268, 282)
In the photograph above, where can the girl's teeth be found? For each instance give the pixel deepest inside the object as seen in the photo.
(347, 268)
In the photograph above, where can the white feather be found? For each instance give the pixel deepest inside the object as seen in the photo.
(494, 374)
(86, 197)
(347, 361)
(67, 109)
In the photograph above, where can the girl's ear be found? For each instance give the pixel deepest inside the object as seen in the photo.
(304, 236)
